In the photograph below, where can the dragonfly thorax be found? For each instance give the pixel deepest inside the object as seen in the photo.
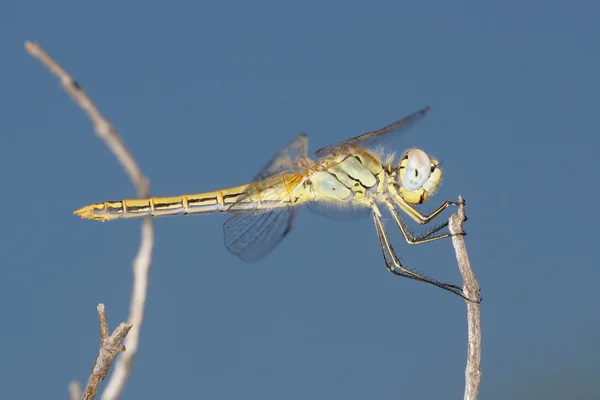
(347, 178)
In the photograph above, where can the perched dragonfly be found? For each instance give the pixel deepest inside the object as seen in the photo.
(347, 175)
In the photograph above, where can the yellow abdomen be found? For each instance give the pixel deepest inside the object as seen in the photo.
(274, 192)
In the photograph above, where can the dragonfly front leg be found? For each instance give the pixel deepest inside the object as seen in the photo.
(410, 236)
(394, 265)
(418, 216)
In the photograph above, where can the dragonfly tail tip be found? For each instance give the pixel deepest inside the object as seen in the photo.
(87, 212)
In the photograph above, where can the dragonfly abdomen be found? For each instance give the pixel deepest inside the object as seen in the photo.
(245, 197)
(154, 206)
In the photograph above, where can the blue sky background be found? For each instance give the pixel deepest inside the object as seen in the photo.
(203, 94)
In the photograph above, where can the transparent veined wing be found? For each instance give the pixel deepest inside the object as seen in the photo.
(251, 234)
(292, 158)
(370, 139)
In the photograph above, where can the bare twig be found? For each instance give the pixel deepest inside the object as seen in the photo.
(143, 260)
(110, 346)
(471, 289)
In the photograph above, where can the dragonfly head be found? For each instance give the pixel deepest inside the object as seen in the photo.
(418, 176)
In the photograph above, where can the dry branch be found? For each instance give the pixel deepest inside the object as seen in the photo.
(110, 346)
(143, 260)
(471, 290)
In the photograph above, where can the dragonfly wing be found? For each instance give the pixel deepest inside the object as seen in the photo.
(251, 234)
(287, 160)
(371, 138)
(292, 158)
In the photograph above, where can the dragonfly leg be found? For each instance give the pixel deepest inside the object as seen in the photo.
(410, 236)
(417, 215)
(394, 265)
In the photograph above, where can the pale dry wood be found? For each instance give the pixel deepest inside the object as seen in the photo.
(143, 259)
(471, 290)
(110, 346)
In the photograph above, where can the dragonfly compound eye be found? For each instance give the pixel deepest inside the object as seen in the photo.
(417, 168)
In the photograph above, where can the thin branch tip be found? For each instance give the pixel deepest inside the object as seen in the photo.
(103, 321)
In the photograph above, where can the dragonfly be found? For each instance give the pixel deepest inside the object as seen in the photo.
(354, 174)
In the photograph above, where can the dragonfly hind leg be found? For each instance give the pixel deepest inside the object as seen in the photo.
(394, 265)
